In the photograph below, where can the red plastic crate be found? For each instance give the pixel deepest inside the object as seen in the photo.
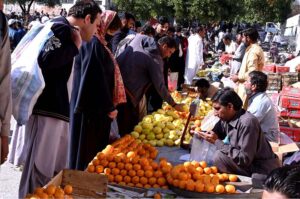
(290, 102)
(290, 113)
(282, 69)
(293, 133)
(290, 91)
(270, 68)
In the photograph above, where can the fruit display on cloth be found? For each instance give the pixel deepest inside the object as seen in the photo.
(164, 127)
(198, 177)
(52, 191)
(130, 163)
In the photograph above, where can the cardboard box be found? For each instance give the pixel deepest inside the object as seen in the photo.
(85, 184)
(290, 91)
(280, 150)
(290, 113)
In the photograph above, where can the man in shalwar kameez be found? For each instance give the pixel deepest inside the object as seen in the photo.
(48, 126)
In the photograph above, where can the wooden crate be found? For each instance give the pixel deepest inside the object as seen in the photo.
(85, 185)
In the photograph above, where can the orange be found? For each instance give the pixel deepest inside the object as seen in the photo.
(203, 164)
(197, 123)
(143, 180)
(135, 160)
(42, 195)
(68, 189)
(191, 169)
(153, 154)
(115, 171)
(104, 162)
(182, 176)
(158, 174)
(155, 186)
(135, 179)
(59, 193)
(121, 165)
(214, 180)
(126, 160)
(157, 196)
(139, 185)
(233, 178)
(166, 169)
(147, 186)
(137, 167)
(140, 173)
(128, 166)
(182, 184)
(165, 187)
(127, 179)
(130, 184)
(197, 176)
(174, 173)
(95, 162)
(148, 167)
(209, 188)
(221, 178)
(110, 158)
(207, 170)
(199, 187)
(154, 165)
(148, 173)
(112, 165)
(161, 181)
(214, 169)
(111, 178)
(50, 190)
(195, 163)
(230, 188)
(190, 185)
(199, 169)
(101, 156)
(118, 178)
(122, 183)
(132, 173)
(142, 152)
(38, 190)
(123, 172)
(220, 188)
(162, 158)
(107, 171)
(152, 180)
(225, 176)
(91, 168)
(206, 179)
(131, 154)
(99, 169)
(163, 163)
(117, 159)
(144, 162)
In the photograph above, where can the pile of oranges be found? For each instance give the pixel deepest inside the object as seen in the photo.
(133, 167)
(52, 191)
(196, 176)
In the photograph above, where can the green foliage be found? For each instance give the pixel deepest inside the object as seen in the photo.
(209, 10)
(25, 5)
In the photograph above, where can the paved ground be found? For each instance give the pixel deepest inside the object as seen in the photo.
(9, 181)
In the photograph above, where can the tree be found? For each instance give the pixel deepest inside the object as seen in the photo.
(25, 5)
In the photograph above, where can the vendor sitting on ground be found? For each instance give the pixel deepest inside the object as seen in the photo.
(261, 106)
(205, 89)
(241, 145)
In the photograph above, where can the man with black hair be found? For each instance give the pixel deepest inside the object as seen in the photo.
(48, 126)
(261, 106)
(253, 60)
(230, 46)
(141, 65)
(162, 27)
(205, 89)
(283, 183)
(128, 22)
(240, 143)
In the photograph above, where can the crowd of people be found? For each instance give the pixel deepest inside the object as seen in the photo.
(103, 69)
